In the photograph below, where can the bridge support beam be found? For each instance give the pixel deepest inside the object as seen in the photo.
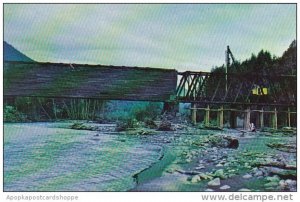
(207, 111)
(274, 119)
(221, 117)
(232, 119)
(261, 118)
(289, 117)
(247, 118)
(194, 113)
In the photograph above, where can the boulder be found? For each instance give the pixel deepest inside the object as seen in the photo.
(275, 178)
(200, 167)
(224, 187)
(205, 176)
(214, 182)
(271, 184)
(244, 189)
(223, 141)
(258, 173)
(196, 179)
(232, 142)
(220, 173)
(150, 124)
(165, 126)
(247, 176)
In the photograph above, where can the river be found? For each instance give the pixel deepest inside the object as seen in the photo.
(50, 157)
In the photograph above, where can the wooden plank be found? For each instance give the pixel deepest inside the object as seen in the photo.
(88, 81)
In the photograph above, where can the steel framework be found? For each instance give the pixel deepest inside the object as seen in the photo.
(204, 87)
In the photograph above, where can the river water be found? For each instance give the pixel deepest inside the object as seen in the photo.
(50, 157)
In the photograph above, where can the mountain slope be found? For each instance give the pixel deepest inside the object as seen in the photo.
(12, 54)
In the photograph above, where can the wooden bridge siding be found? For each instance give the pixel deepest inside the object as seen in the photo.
(88, 81)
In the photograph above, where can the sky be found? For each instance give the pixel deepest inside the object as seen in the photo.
(176, 36)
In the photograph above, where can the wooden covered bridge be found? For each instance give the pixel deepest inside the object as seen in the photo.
(207, 92)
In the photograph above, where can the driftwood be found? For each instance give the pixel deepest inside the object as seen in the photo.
(290, 148)
(276, 164)
(283, 173)
(187, 172)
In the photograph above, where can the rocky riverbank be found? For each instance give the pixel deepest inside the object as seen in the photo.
(195, 159)
(227, 160)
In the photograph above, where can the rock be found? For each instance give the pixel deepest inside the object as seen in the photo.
(150, 124)
(231, 175)
(200, 167)
(222, 161)
(247, 176)
(282, 184)
(223, 141)
(219, 173)
(209, 190)
(271, 184)
(165, 126)
(81, 126)
(196, 179)
(291, 182)
(214, 182)
(225, 187)
(205, 176)
(189, 155)
(291, 185)
(291, 166)
(244, 189)
(232, 142)
(275, 178)
(258, 173)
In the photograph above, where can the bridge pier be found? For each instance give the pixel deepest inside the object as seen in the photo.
(274, 119)
(232, 119)
(207, 111)
(220, 117)
(289, 117)
(247, 118)
(194, 113)
(261, 118)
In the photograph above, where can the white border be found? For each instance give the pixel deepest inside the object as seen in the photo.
(128, 196)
